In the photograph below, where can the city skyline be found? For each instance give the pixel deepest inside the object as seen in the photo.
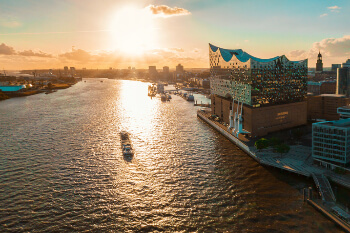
(52, 34)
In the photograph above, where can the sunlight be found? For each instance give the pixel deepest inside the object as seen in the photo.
(133, 31)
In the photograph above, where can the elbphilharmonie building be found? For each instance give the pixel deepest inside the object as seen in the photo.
(273, 91)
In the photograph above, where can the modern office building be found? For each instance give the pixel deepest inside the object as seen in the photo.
(343, 79)
(330, 143)
(319, 64)
(273, 91)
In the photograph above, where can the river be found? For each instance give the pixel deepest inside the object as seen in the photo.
(61, 169)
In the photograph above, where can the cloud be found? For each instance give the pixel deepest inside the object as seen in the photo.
(7, 50)
(297, 53)
(323, 15)
(334, 8)
(30, 59)
(177, 49)
(166, 11)
(77, 55)
(333, 46)
(30, 53)
(335, 49)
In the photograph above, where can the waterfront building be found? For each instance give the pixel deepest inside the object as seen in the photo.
(319, 64)
(324, 107)
(343, 79)
(330, 143)
(273, 91)
(65, 70)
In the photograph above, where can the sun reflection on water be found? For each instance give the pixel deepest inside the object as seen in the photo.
(140, 112)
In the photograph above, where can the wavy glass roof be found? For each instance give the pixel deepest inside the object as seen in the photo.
(227, 55)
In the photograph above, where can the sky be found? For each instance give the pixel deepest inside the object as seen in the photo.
(44, 34)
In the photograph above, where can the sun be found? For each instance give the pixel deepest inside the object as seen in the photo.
(133, 30)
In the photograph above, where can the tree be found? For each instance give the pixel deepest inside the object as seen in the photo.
(274, 142)
(262, 143)
(282, 148)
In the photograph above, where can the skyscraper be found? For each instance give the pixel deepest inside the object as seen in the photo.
(152, 71)
(179, 69)
(166, 69)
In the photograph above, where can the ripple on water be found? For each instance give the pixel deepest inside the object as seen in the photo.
(61, 169)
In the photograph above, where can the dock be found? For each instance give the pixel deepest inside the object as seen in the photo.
(202, 105)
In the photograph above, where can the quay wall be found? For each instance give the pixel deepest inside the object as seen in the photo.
(328, 215)
(230, 137)
(246, 149)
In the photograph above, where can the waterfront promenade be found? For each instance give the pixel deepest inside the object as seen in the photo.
(298, 160)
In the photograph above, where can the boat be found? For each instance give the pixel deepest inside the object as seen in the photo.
(126, 144)
(190, 97)
(152, 90)
(163, 97)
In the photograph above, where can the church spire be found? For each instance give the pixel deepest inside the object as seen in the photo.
(319, 64)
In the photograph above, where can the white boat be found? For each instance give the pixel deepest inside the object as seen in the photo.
(126, 144)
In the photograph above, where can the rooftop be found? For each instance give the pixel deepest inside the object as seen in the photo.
(338, 123)
(242, 56)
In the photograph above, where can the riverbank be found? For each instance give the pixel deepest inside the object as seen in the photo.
(3, 96)
(297, 161)
(33, 91)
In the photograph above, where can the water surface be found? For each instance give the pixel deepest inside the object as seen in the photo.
(61, 169)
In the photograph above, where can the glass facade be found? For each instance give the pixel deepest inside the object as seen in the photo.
(255, 81)
(331, 141)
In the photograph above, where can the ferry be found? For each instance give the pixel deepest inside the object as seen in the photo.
(126, 144)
